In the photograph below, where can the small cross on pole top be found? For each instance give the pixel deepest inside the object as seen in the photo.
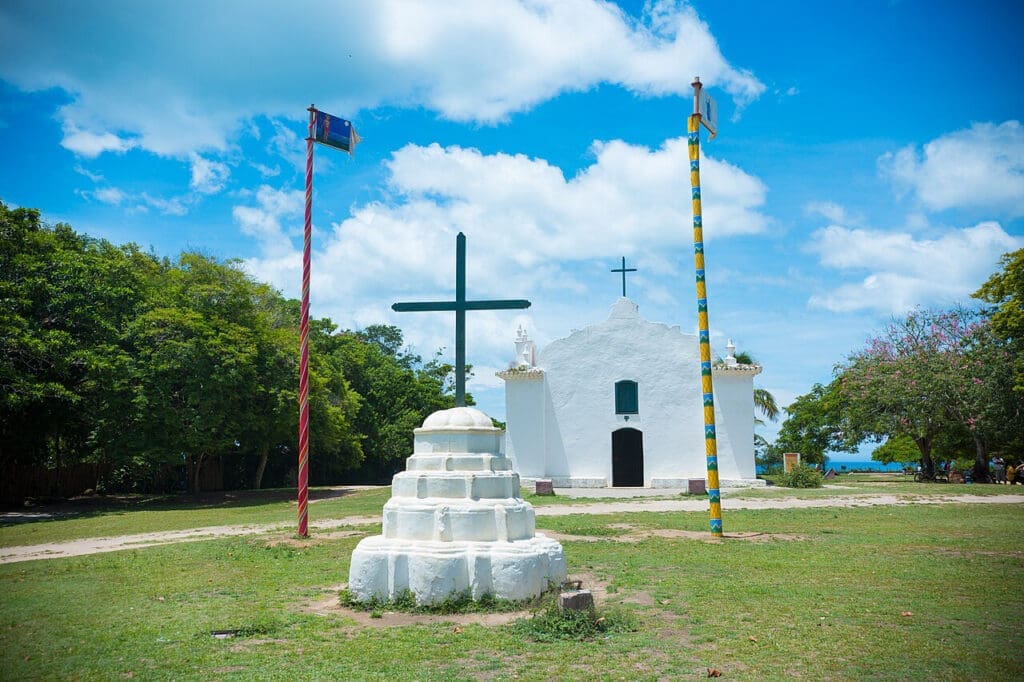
(460, 305)
(624, 270)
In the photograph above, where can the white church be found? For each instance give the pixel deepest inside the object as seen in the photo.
(618, 404)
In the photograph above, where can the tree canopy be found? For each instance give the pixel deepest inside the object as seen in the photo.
(147, 367)
(814, 426)
(942, 380)
(1005, 290)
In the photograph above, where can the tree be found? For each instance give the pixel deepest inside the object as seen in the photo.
(977, 383)
(900, 449)
(191, 373)
(216, 375)
(110, 355)
(335, 440)
(64, 298)
(764, 402)
(1006, 291)
(893, 386)
(389, 340)
(814, 426)
(398, 392)
(928, 376)
(271, 414)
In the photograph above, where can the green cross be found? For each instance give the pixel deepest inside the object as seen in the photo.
(460, 305)
(624, 270)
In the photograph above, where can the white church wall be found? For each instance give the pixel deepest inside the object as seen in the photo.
(734, 409)
(556, 460)
(582, 370)
(525, 401)
(561, 427)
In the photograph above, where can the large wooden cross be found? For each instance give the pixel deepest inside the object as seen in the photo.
(460, 305)
(624, 270)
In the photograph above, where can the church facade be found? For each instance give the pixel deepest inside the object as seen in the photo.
(618, 404)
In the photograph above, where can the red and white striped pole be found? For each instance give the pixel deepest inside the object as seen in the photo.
(304, 338)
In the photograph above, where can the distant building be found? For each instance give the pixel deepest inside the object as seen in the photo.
(618, 404)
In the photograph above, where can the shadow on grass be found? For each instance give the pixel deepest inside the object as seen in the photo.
(86, 506)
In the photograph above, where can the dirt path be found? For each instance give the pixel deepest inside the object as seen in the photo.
(85, 546)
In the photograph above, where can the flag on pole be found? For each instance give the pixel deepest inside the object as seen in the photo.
(335, 132)
(708, 112)
(340, 134)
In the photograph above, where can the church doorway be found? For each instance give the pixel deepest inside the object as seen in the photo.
(628, 458)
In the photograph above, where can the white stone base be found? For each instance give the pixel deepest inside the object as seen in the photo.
(455, 523)
(578, 482)
(683, 483)
(433, 571)
(742, 483)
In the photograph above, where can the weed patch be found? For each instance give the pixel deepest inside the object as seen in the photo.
(550, 623)
(459, 603)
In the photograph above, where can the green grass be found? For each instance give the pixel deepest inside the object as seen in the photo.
(823, 603)
(118, 516)
(873, 484)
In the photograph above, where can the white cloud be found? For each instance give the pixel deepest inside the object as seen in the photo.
(95, 177)
(192, 72)
(904, 272)
(279, 262)
(267, 171)
(982, 166)
(829, 210)
(137, 203)
(208, 177)
(531, 232)
(263, 221)
(525, 218)
(92, 144)
(109, 195)
(174, 206)
(630, 195)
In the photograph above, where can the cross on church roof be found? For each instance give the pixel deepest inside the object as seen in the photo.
(624, 270)
(460, 305)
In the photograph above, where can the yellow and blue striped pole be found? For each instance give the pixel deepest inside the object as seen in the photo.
(706, 387)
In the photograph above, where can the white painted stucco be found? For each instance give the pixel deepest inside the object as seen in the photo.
(561, 411)
(455, 522)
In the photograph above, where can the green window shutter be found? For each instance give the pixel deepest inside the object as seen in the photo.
(626, 400)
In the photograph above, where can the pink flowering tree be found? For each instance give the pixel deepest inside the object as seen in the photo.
(892, 387)
(930, 374)
(980, 388)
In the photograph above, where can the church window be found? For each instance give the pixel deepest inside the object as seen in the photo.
(626, 401)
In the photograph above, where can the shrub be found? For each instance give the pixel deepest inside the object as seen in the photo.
(801, 476)
(551, 623)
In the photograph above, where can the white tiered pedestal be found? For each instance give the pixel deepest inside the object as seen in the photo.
(455, 522)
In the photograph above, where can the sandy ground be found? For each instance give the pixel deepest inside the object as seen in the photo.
(337, 527)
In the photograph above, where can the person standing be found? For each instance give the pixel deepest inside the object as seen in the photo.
(999, 470)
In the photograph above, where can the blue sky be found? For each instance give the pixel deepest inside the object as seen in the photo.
(870, 156)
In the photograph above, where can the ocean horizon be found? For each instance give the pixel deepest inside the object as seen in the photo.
(841, 465)
(851, 465)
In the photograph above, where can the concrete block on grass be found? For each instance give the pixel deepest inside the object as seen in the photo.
(576, 600)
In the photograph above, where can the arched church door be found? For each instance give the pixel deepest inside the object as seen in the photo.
(628, 458)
